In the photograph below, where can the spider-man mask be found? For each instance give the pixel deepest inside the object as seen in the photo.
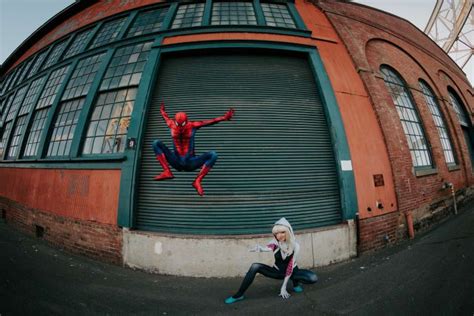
(181, 119)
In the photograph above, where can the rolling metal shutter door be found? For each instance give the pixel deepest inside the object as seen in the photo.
(275, 156)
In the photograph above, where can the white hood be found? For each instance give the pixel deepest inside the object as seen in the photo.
(290, 246)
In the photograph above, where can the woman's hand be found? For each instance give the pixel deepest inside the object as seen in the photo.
(284, 293)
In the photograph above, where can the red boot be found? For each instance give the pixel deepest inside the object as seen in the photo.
(166, 174)
(197, 182)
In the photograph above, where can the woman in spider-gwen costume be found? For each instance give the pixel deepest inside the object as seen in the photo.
(183, 157)
(285, 249)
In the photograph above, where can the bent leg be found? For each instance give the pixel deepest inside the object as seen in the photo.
(206, 160)
(304, 276)
(255, 268)
(164, 156)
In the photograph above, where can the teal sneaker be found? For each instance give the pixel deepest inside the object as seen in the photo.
(231, 300)
(298, 289)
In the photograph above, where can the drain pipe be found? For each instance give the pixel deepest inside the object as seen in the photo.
(409, 219)
(450, 185)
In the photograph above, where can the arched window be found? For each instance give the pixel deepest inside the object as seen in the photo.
(440, 123)
(464, 121)
(419, 149)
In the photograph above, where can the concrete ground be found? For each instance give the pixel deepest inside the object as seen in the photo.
(431, 275)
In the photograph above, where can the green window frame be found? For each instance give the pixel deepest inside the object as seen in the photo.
(189, 15)
(5, 133)
(149, 21)
(111, 113)
(55, 54)
(55, 80)
(34, 135)
(18, 130)
(108, 32)
(82, 77)
(31, 95)
(126, 67)
(108, 126)
(278, 15)
(79, 43)
(40, 57)
(233, 13)
(464, 122)
(64, 127)
(409, 118)
(440, 123)
(29, 63)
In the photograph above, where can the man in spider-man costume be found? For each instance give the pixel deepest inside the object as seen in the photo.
(183, 157)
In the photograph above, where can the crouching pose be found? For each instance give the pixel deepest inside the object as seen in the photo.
(285, 249)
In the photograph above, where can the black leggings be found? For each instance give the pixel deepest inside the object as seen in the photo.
(299, 275)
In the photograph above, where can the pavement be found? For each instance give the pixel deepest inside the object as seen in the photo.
(430, 275)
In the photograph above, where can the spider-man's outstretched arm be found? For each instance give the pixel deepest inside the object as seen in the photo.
(225, 117)
(168, 121)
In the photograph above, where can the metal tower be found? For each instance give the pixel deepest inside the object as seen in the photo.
(451, 26)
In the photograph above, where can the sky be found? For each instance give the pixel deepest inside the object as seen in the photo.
(20, 18)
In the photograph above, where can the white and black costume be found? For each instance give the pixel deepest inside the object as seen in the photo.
(285, 267)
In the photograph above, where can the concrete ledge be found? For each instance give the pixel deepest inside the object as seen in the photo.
(224, 256)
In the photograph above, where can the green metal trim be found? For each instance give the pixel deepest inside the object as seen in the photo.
(130, 167)
(338, 135)
(42, 147)
(86, 108)
(126, 25)
(241, 29)
(169, 16)
(206, 18)
(259, 13)
(29, 119)
(296, 16)
(128, 183)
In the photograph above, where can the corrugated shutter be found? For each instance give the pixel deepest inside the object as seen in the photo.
(275, 156)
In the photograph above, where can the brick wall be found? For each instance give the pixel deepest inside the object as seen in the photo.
(373, 38)
(92, 239)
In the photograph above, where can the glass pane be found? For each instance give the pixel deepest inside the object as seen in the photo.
(109, 125)
(409, 118)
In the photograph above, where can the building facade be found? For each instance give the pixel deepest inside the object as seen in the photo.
(349, 122)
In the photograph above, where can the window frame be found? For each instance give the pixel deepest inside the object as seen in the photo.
(419, 170)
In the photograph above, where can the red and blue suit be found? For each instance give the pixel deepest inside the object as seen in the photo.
(183, 157)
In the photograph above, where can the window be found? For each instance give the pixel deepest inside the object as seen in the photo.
(39, 60)
(7, 102)
(126, 66)
(188, 15)
(25, 70)
(277, 15)
(78, 43)
(464, 121)
(64, 127)
(5, 133)
(55, 54)
(233, 13)
(409, 118)
(440, 123)
(52, 87)
(31, 96)
(148, 22)
(81, 79)
(17, 129)
(109, 123)
(108, 32)
(32, 143)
